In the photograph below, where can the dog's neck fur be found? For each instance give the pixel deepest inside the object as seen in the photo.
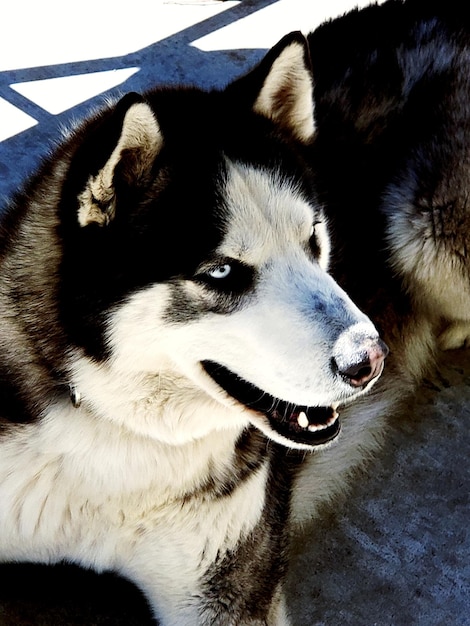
(158, 406)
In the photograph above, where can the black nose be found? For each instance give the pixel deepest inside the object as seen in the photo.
(363, 366)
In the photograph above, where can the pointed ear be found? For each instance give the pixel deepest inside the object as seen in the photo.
(129, 163)
(286, 94)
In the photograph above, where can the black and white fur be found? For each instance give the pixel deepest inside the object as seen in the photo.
(172, 345)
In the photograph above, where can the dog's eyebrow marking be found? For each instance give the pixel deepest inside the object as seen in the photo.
(263, 210)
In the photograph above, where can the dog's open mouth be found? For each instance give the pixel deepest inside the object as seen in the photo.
(310, 426)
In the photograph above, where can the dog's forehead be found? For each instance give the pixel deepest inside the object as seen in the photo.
(263, 211)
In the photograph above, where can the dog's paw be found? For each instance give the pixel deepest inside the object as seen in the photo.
(456, 335)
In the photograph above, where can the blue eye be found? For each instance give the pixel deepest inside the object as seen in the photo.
(221, 271)
(228, 276)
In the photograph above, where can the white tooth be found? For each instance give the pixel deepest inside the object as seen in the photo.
(302, 420)
(314, 427)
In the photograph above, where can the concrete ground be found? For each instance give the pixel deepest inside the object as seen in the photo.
(395, 553)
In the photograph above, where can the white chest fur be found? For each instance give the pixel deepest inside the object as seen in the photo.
(75, 487)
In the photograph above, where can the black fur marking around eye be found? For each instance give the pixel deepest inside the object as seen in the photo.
(239, 280)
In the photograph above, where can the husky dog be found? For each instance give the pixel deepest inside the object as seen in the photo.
(172, 345)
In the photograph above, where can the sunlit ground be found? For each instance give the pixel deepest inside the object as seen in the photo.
(51, 33)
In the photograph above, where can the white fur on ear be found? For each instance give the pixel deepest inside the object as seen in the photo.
(141, 135)
(286, 96)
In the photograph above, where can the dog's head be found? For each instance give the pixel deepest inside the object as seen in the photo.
(196, 252)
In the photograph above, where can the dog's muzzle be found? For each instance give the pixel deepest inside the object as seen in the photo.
(358, 360)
